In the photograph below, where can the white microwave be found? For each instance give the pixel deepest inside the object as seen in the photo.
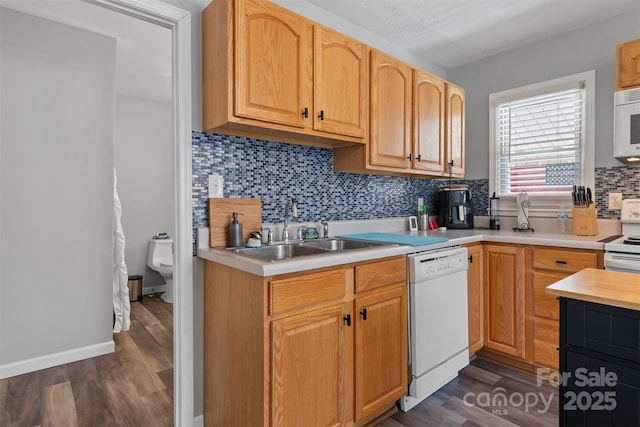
(626, 130)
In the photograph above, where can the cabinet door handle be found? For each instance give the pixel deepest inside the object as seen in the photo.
(471, 258)
(410, 157)
(419, 157)
(321, 115)
(363, 313)
(347, 319)
(559, 261)
(305, 112)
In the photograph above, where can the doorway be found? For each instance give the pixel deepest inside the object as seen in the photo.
(178, 23)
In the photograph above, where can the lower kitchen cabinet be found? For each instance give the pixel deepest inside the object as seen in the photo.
(549, 266)
(600, 361)
(504, 299)
(474, 287)
(380, 350)
(304, 348)
(309, 368)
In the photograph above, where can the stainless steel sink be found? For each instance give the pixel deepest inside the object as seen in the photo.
(342, 244)
(305, 248)
(277, 252)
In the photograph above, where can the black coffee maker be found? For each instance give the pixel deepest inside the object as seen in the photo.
(455, 207)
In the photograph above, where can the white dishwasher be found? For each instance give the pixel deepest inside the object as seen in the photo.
(438, 325)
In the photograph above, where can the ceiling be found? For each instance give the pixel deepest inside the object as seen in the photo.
(446, 33)
(449, 33)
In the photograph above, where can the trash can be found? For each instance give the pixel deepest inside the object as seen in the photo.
(135, 288)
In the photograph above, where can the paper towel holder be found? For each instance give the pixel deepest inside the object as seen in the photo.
(524, 207)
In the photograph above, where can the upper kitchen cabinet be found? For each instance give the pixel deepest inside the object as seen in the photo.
(390, 141)
(341, 82)
(628, 65)
(270, 73)
(416, 124)
(428, 122)
(455, 130)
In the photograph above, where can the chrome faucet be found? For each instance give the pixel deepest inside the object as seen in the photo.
(325, 228)
(294, 215)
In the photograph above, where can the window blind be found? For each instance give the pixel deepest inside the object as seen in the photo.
(539, 142)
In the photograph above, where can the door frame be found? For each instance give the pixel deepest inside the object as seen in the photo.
(179, 22)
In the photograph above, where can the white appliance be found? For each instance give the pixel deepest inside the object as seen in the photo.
(438, 321)
(623, 254)
(626, 131)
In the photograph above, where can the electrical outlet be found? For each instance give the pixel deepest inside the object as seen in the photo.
(615, 201)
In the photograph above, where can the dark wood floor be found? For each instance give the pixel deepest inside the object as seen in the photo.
(131, 387)
(134, 387)
(469, 399)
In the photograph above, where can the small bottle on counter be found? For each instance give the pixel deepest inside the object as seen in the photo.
(235, 231)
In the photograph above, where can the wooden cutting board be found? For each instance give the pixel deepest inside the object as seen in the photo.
(220, 216)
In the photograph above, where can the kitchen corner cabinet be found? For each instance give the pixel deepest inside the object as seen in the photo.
(455, 130)
(475, 290)
(261, 78)
(504, 299)
(628, 65)
(549, 266)
(320, 347)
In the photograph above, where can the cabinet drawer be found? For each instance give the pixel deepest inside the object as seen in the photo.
(381, 273)
(544, 304)
(605, 329)
(564, 260)
(306, 290)
(545, 342)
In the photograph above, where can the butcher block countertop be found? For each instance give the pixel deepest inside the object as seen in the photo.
(600, 286)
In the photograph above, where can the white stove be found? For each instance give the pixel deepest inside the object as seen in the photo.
(623, 254)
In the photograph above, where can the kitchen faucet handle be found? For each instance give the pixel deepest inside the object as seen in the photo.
(270, 237)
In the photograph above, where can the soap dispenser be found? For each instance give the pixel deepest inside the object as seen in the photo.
(235, 231)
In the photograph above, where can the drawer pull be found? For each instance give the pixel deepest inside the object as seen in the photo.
(347, 319)
(558, 261)
(363, 313)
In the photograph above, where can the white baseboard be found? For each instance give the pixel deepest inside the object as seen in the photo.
(198, 421)
(154, 289)
(55, 359)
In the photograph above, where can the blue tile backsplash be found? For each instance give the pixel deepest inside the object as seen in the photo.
(275, 172)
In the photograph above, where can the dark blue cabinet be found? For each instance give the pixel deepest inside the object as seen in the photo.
(600, 365)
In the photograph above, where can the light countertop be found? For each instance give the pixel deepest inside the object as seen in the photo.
(613, 288)
(456, 237)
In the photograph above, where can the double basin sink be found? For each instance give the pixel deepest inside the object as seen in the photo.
(304, 248)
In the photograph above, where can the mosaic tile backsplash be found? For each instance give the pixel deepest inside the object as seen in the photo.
(276, 172)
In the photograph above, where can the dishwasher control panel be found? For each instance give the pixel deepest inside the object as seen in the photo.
(428, 265)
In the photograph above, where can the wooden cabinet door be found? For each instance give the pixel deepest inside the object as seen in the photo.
(390, 139)
(628, 65)
(309, 368)
(273, 54)
(380, 350)
(455, 129)
(341, 83)
(474, 283)
(428, 122)
(504, 299)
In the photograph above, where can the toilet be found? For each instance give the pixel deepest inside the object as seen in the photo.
(160, 259)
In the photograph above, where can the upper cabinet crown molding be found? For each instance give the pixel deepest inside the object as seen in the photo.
(628, 65)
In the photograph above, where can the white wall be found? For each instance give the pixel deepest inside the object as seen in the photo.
(56, 182)
(587, 48)
(144, 165)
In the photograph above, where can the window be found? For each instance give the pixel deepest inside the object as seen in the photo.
(541, 139)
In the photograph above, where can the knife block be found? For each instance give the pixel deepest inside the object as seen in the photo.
(584, 221)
